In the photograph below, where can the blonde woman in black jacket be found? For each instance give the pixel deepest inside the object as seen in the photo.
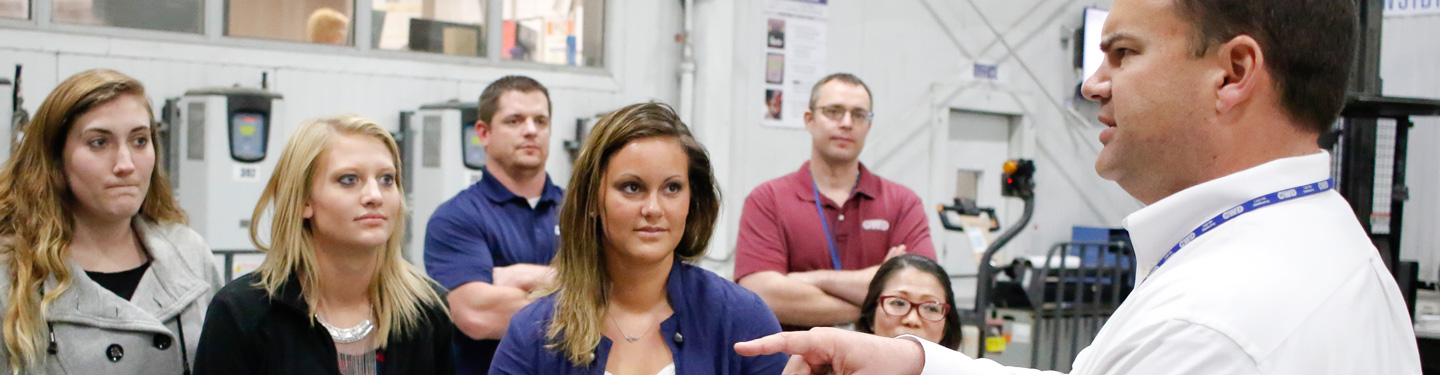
(333, 296)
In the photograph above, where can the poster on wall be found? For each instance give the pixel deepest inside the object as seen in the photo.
(794, 59)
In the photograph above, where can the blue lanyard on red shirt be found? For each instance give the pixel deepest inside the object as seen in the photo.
(1244, 208)
(824, 223)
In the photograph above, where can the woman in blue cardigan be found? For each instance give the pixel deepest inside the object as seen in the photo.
(641, 205)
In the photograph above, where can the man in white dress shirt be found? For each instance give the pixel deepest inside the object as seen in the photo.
(1251, 262)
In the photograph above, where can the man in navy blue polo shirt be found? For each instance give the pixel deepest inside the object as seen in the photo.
(492, 243)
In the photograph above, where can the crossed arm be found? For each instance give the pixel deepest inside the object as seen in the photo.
(482, 310)
(815, 298)
(810, 298)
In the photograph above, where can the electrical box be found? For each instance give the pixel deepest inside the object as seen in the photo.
(7, 117)
(223, 145)
(445, 157)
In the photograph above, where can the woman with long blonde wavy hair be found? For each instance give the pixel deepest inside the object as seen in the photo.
(334, 291)
(641, 207)
(100, 273)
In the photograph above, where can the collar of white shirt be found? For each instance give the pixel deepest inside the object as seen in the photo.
(1155, 229)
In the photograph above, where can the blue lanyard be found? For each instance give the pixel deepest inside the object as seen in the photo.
(1244, 208)
(824, 223)
(834, 254)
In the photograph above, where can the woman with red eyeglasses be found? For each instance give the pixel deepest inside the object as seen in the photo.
(911, 294)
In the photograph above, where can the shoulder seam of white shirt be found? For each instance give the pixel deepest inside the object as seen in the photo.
(1254, 362)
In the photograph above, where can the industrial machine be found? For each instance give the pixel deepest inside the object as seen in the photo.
(1051, 305)
(7, 113)
(1017, 181)
(444, 156)
(222, 151)
(14, 122)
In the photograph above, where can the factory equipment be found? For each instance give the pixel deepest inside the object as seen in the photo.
(7, 111)
(220, 158)
(444, 157)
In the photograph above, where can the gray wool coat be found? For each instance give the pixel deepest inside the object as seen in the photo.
(97, 332)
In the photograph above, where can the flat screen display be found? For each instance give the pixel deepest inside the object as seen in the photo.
(248, 136)
(471, 148)
(1091, 57)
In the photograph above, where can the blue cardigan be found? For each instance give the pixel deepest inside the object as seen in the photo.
(711, 315)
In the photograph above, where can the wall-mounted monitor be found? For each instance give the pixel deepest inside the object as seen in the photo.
(470, 147)
(1090, 34)
(450, 38)
(248, 136)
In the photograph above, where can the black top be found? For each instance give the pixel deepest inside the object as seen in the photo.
(122, 283)
(247, 332)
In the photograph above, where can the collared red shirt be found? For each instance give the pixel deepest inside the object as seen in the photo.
(1291, 288)
(780, 229)
(711, 314)
(483, 227)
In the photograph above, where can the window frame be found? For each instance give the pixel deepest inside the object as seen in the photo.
(213, 21)
(30, 16)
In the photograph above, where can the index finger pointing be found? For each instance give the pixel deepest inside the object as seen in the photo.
(794, 343)
(765, 345)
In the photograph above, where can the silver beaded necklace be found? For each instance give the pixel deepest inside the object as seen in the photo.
(347, 335)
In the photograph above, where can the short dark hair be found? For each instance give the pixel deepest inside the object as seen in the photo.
(951, 337)
(1309, 47)
(490, 98)
(842, 77)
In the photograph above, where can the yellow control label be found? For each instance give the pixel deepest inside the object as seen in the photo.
(247, 129)
(995, 344)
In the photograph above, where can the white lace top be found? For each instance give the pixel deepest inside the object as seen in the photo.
(668, 370)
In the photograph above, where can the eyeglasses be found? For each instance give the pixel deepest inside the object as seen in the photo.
(896, 306)
(837, 113)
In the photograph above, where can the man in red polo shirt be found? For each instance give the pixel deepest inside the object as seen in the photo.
(815, 272)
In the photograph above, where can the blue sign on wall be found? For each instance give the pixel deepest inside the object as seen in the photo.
(987, 72)
(1397, 8)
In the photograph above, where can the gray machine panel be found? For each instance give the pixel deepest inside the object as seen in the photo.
(195, 131)
(431, 138)
(7, 106)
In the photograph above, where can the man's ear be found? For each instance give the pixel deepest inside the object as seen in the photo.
(1243, 72)
(482, 131)
(809, 118)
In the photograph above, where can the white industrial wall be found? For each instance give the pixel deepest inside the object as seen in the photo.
(915, 55)
(1408, 59)
(641, 64)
